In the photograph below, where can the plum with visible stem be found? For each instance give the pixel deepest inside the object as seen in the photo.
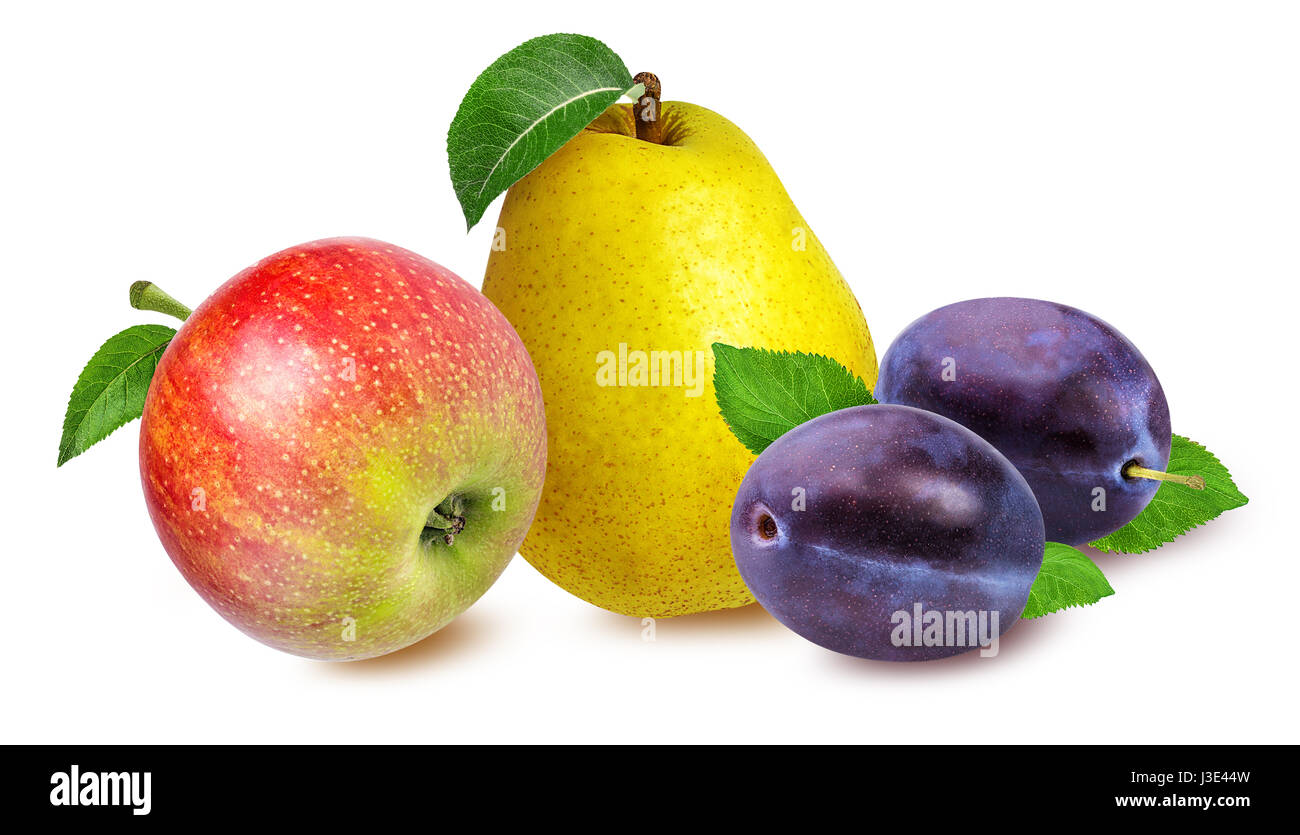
(1065, 396)
(856, 516)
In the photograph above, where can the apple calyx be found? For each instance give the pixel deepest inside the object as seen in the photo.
(145, 295)
(1135, 470)
(447, 519)
(649, 127)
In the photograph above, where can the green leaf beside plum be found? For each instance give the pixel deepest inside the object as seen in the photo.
(1068, 578)
(764, 394)
(1176, 509)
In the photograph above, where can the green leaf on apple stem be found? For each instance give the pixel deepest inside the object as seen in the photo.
(1068, 578)
(1175, 509)
(111, 389)
(763, 394)
(523, 108)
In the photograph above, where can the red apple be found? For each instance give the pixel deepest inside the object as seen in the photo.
(342, 448)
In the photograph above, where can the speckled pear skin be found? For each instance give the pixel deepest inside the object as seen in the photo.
(666, 247)
(900, 507)
(1061, 393)
(306, 419)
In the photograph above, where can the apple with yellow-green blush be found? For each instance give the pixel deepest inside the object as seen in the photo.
(342, 448)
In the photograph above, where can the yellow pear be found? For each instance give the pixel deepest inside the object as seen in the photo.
(620, 261)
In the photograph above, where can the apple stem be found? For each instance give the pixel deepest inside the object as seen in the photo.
(145, 295)
(448, 516)
(1195, 482)
(645, 112)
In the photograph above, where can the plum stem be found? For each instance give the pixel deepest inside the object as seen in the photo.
(145, 295)
(1195, 482)
(645, 112)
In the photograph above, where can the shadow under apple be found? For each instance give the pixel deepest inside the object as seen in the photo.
(464, 636)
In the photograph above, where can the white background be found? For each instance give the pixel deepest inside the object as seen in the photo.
(1139, 160)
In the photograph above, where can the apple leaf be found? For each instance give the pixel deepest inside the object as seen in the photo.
(1068, 578)
(523, 107)
(1175, 509)
(763, 394)
(111, 389)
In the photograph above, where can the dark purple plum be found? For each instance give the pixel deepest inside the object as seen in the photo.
(1058, 391)
(849, 522)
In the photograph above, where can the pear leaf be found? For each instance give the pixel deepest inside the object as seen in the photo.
(763, 394)
(1175, 509)
(1068, 578)
(111, 389)
(523, 108)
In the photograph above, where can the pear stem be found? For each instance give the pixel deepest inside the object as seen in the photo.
(649, 127)
(1195, 482)
(145, 295)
